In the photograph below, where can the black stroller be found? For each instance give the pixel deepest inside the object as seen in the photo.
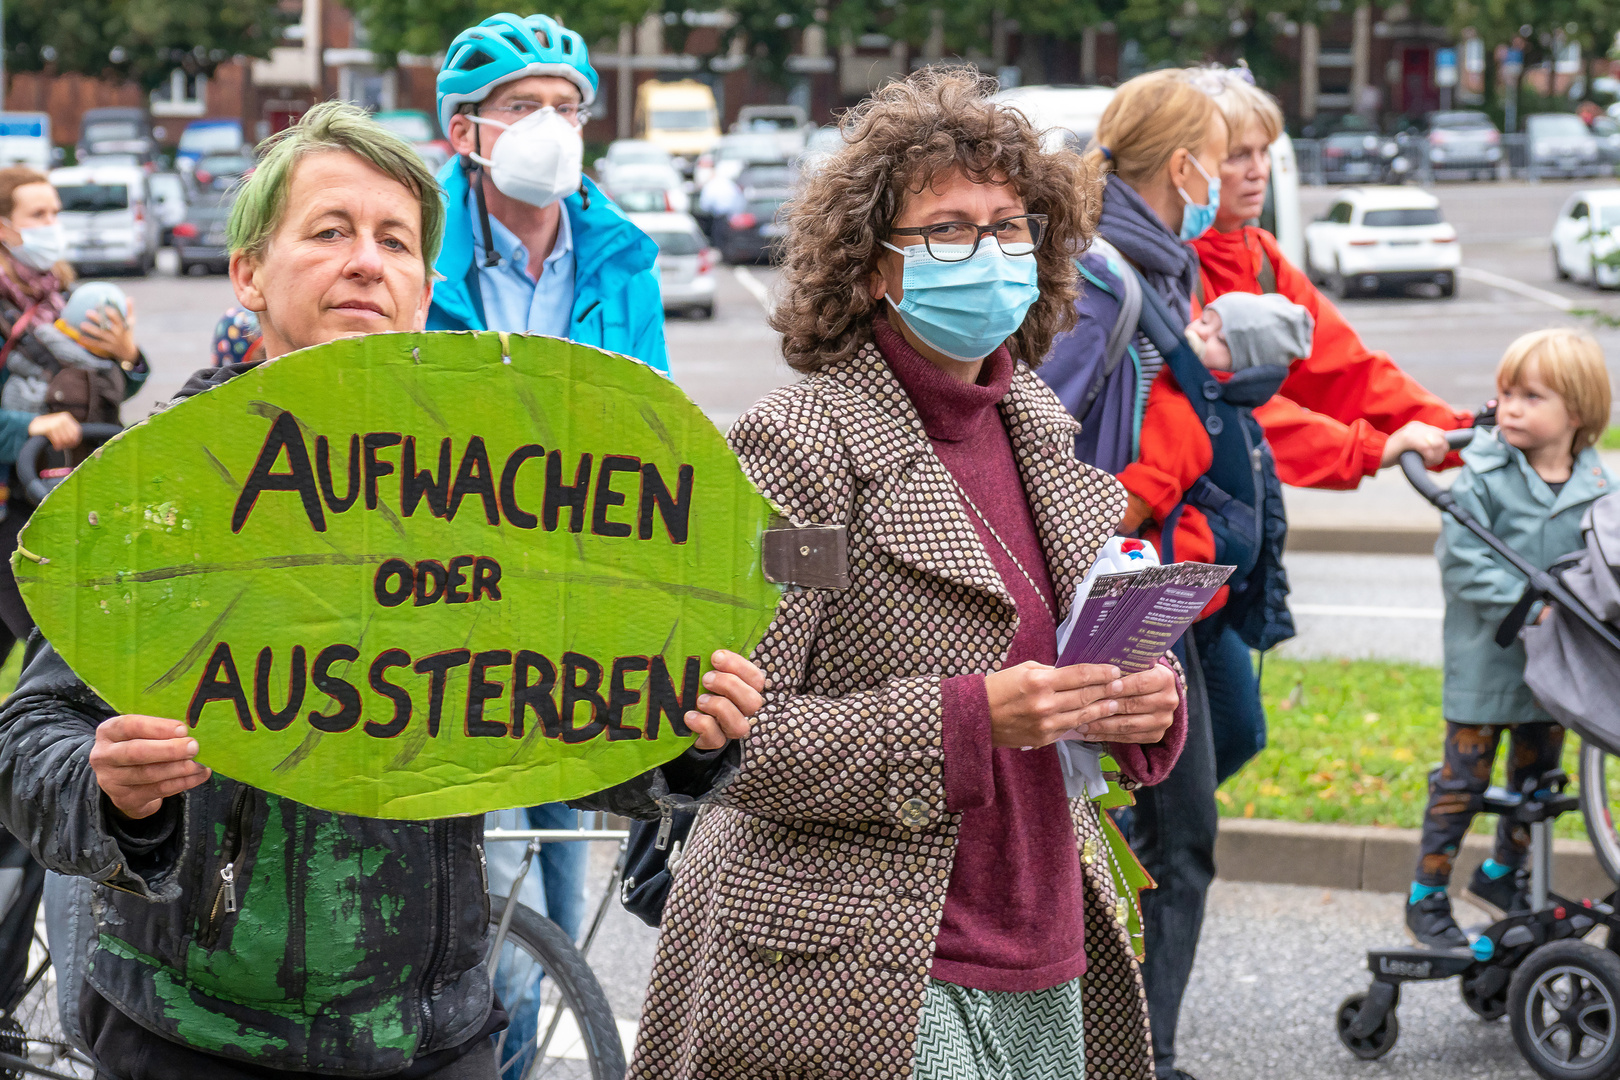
(1560, 992)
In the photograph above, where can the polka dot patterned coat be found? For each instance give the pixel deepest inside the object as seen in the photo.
(798, 936)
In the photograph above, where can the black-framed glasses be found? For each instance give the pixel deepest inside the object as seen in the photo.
(958, 241)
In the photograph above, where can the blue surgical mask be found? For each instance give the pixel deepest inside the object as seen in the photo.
(966, 309)
(1195, 219)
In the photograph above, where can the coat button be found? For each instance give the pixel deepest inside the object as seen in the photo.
(914, 814)
(770, 955)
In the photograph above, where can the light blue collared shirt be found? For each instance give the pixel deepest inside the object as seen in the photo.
(514, 301)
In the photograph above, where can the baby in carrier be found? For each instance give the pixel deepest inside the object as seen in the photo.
(1240, 331)
(1227, 500)
(1529, 482)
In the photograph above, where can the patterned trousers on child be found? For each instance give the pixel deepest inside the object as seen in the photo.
(1457, 789)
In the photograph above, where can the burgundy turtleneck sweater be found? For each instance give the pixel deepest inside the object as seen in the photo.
(1013, 918)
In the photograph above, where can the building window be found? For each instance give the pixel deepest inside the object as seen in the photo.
(367, 87)
(185, 95)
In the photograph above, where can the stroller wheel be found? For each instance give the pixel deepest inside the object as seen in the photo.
(1564, 1005)
(1486, 994)
(1374, 1045)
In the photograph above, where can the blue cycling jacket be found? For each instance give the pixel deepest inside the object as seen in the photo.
(617, 305)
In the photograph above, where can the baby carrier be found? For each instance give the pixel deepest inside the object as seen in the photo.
(1240, 495)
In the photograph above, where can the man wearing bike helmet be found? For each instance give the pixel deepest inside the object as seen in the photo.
(530, 244)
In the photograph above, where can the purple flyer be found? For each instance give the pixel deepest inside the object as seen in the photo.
(1130, 623)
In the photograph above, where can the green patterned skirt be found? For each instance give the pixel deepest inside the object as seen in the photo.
(989, 1035)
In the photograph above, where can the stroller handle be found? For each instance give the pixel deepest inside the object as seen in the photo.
(1540, 581)
(1417, 474)
(34, 487)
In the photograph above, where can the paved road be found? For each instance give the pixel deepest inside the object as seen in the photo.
(1452, 346)
(1274, 964)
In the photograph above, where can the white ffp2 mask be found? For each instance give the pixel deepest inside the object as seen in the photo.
(539, 160)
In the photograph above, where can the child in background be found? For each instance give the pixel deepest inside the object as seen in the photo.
(1529, 482)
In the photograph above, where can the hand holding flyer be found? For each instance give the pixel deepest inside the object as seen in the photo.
(1128, 612)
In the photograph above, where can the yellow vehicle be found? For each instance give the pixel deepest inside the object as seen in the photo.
(681, 117)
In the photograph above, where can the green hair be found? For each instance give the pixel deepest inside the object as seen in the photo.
(261, 201)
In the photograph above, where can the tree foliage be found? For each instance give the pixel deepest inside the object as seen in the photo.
(426, 27)
(139, 40)
(1166, 31)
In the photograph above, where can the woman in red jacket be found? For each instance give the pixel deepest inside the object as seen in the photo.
(1345, 411)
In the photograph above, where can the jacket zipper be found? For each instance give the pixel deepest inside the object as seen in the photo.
(225, 901)
(430, 970)
(1258, 477)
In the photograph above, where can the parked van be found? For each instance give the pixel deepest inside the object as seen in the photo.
(108, 218)
(681, 117)
(117, 130)
(25, 139)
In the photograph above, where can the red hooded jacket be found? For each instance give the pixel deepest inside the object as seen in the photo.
(1328, 424)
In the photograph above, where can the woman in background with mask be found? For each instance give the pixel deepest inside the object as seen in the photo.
(897, 885)
(1161, 142)
(103, 366)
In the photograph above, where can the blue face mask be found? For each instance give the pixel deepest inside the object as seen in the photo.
(1195, 219)
(966, 309)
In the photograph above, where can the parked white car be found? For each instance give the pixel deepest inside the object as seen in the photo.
(686, 262)
(630, 154)
(1376, 236)
(1586, 234)
(108, 218)
(787, 124)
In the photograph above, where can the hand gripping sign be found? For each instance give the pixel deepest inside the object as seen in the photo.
(411, 575)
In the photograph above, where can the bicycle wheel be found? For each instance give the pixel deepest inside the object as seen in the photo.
(1600, 793)
(31, 1040)
(560, 1025)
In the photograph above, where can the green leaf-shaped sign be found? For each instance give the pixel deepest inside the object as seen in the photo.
(411, 575)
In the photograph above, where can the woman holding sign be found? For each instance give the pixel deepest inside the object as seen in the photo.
(897, 884)
(241, 934)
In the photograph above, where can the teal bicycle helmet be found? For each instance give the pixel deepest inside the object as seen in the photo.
(505, 47)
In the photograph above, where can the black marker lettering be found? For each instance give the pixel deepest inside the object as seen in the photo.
(284, 435)
(676, 510)
(220, 682)
(515, 513)
(278, 719)
(390, 658)
(339, 690)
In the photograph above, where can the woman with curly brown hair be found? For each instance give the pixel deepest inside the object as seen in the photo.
(897, 885)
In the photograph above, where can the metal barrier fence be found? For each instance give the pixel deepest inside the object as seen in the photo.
(1516, 162)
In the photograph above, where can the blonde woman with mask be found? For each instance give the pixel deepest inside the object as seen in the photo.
(1161, 143)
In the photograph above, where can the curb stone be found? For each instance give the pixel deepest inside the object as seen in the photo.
(1372, 859)
(1350, 540)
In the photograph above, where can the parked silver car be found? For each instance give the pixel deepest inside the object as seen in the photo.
(1560, 144)
(168, 196)
(108, 218)
(686, 262)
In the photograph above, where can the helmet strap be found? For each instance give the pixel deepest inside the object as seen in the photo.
(584, 196)
(476, 176)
